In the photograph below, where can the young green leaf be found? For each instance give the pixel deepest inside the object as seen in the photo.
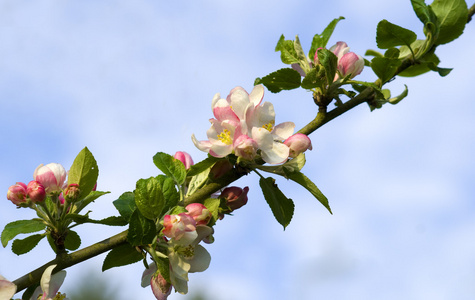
(385, 68)
(212, 204)
(149, 198)
(451, 19)
(72, 240)
(27, 244)
(15, 228)
(202, 165)
(142, 231)
(92, 196)
(121, 256)
(288, 55)
(84, 172)
(125, 205)
(398, 98)
(283, 79)
(329, 61)
(390, 35)
(281, 206)
(321, 40)
(304, 181)
(314, 79)
(170, 166)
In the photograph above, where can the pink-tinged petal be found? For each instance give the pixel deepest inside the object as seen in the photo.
(49, 283)
(263, 115)
(7, 288)
(263, 138)
(185, 158)
(237, 90)
(200, 261)
(216, 98)
(298, 143)
(160, 287)
(299, 69)
(147, 274)
(220, 149)
(245, 147)
(201, 145)
(222, 111)
(277, 155)
(256, 95)
(340, 49)
(239, 101)
(283, 130)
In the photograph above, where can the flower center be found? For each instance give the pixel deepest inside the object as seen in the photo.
(269, 126)
(225, 137)
(187, 252)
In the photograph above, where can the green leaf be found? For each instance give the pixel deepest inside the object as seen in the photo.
(197, 181)
(163, 267)
(125, 205)
(288, 55)
(283, 79)
(398, 98)
(149, 197)
(281, 206)
(303, 180)
(84, 172)
(170, 166)
(72, 240)
(110, 221)
(202, 165)
(385, 68)
(392, 53)
(142, 231)
(121, 256)
(294, 164)
(15, 228)
(321, 40)
(371, 52)
(451, 19)
(390, 35)
(329, 61)
(25, 245)
(303, 62)
(423, 12)
(78, 206)
(314, 78)
(212, 204)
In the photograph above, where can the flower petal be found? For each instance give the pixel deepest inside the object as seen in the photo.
(7, 288)
(256, 95)
(200, 261)
(283, 130)
(278, 154)
(263, 138)
(50, 283)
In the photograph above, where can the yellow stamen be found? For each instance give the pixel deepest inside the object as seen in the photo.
(225, 137)
(269, 126)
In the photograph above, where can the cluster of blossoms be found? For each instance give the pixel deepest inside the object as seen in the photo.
(349, 63)
(181, 236)
(245, 127)
(47, 290)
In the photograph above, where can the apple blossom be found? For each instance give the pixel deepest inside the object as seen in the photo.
(51, 176)
(180, 227)
(298, 143)
(36, 191)
(350, 63)
(17, 193)
(71, 193)
(49, 285)
(199, 213)
(185, 158)
(7, 288)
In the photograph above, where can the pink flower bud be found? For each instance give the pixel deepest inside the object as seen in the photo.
(235, 197)
(185, 158)
(199, 212)
(36, 191)
(350, 63)
(175, 226)
(51, 176)
(17, 193)
(340, 49)
(298, 143)
(160, 287)
(315, 58)
(245, 147)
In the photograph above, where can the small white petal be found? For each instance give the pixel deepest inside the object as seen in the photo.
(278, 154)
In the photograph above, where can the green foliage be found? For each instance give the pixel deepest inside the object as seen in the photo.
(15, 228)
(451, 19)
(288, 54)
(170, 166)
(329, 62)
(110, 221)
(385, 68)
(125, 205)
(170, 194)
(304, 181)
(283, 79)
(212, 204)
(281, 206)
(142, 231)
(390, 35)
(84, 172)
(92, 196)
(197, 181)
(203, 165)
(27, 244)
(149, 198)
(72, 240)
(321, 40)
(123, 255)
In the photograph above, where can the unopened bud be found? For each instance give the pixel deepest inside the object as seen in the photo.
(17, 193)
(71, 193)
(220, 168)
(235, 197)
(298, 143)
(199, 212)
(36, 191)
(185, 158)
(160, 287)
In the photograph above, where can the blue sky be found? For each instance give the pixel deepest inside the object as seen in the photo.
(130, 79)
